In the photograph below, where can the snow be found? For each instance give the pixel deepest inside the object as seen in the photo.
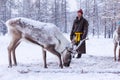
(97, 64)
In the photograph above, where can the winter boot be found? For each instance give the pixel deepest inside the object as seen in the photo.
(79, 56)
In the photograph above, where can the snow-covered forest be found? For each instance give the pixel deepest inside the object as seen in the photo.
(53, 11)
(98, 62)
(103, 15)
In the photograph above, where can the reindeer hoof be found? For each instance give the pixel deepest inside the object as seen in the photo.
(15, 65)
(119, 60)
(114, 59)
(61, 66)
(9, 66)
(45, 67)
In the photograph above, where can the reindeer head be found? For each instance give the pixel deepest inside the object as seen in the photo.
(67, 57)
(14, 22)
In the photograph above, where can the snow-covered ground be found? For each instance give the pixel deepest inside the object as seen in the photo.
(97, 64)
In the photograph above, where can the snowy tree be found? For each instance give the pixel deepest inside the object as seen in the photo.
(102, 15)
(3, 15)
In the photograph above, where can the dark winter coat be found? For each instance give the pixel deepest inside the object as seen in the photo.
(82, 27)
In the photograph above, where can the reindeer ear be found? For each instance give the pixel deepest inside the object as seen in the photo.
(18, 20)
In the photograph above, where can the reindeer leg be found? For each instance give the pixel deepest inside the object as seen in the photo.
(10, 49)
(119, 55)
(115, 48)
(14, 56)
(44, 58)
(51, 48)
(9, 55)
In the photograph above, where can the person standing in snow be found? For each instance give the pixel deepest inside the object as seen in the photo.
(80, 30)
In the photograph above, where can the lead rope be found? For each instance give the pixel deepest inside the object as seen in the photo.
(64, 50)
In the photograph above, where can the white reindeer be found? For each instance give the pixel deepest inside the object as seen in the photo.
(46, 35)
(116, 39)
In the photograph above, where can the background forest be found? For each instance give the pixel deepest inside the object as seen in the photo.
(103, 15)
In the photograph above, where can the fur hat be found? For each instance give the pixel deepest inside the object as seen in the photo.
(80, 11)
